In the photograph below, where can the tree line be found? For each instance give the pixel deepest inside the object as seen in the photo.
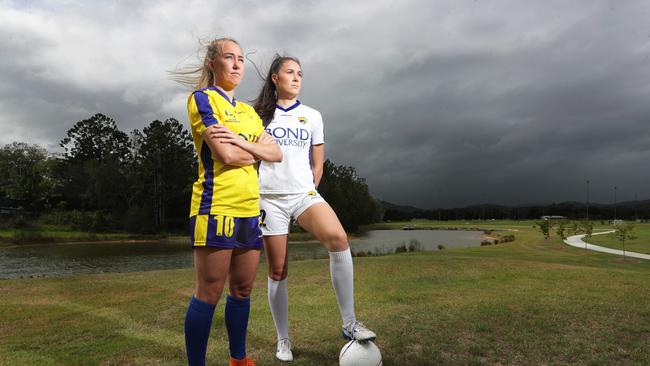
(570, 210)
(107, 180)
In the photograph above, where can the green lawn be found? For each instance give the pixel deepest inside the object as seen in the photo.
(529, 302)
(641, 244)
(45, 233)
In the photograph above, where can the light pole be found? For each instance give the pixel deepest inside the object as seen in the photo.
(614, 202)
(587, 199)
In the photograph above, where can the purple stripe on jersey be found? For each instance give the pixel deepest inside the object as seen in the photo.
(296, 104)
(192, 227)
(233, 102)
(208, 179)
(205, 109)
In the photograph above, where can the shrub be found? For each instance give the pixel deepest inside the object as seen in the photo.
(19, 221)
(505, 239)
(367, 253)
(414, 246)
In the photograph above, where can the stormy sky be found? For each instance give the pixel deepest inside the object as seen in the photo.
(436, 103)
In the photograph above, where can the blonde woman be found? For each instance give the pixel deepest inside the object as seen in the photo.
(224, 216)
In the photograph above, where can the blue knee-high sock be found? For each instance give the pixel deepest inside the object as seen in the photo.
(198, 321)
(237, 311)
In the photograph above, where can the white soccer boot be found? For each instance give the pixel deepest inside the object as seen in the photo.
(356, 330)
(284, 350)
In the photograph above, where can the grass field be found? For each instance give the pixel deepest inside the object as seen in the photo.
(529, 302)
(641, 244)
(57, 234)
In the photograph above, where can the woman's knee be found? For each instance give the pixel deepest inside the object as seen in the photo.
(336, 241)
(241, 289)
(209, 291)
(241, 292)
(278, 273)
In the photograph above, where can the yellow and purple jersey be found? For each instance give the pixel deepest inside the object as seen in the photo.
(223, 189)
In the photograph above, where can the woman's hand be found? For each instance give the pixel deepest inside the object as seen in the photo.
(264, 149)
(265, 139)
(222, 135)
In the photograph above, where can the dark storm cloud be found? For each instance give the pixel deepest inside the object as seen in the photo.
(436, 104)
(516, 122)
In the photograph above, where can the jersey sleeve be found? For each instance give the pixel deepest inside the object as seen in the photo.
(318, 135)
(201, 112)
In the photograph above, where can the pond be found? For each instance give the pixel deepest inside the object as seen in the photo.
(47, 260)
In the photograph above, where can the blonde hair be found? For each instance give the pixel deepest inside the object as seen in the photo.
(202, 76)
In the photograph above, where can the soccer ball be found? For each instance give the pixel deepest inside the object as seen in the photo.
(356, 353)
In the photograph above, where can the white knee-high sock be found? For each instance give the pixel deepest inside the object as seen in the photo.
(279, 303)
(342, 273)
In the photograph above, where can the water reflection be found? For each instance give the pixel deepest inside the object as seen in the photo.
(63, 259)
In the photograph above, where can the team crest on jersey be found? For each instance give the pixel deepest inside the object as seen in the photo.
(230, 116)
(302, 120)
(311, 193)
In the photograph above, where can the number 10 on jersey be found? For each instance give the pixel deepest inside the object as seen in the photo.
(225, 225)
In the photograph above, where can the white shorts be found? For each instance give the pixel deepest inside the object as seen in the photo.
(277, 210)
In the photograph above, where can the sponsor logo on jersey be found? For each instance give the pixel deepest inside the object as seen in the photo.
(298, 137)
(250, 137)
(289, 133)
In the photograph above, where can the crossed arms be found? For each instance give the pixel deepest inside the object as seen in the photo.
(232, 149)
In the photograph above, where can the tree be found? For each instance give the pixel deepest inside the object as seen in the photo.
(26, 174)
(560, 230)
(95, 139)
(587, 228)
(93, 166)
(574, 228)
(348, 195)
(164, 169)
(623, 232)
(545, 227)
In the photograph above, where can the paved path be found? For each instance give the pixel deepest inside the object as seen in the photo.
(576, 241)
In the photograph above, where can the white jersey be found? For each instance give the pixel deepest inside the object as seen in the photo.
(295, 129)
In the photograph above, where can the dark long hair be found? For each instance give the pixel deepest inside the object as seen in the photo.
(265, 103)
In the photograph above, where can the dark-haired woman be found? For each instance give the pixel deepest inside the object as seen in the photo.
(224, 218)
(288, 192)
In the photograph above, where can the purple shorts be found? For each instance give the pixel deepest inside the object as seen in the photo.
(225, 232)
